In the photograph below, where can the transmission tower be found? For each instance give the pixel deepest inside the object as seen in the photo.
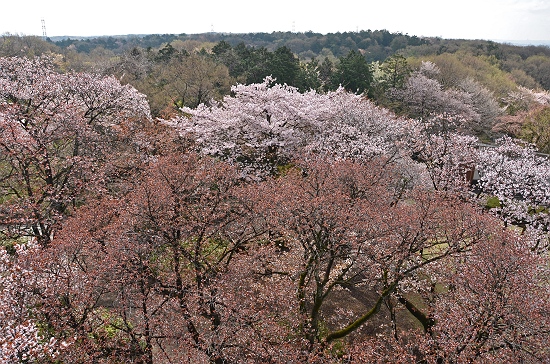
(44, 29)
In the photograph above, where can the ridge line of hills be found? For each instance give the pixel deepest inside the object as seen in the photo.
(377, 44)
(516, 42)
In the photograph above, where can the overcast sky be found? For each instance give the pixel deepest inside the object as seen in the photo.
(464, 19)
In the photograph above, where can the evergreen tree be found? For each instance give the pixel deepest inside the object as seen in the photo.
(353, 73)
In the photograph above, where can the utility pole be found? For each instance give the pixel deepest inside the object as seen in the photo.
(44, 29)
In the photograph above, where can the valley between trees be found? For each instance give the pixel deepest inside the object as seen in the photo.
(211, 202)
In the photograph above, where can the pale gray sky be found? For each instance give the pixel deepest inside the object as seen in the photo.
(468, 19)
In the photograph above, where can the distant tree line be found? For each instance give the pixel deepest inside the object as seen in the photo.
(377, 44)
(374, 45)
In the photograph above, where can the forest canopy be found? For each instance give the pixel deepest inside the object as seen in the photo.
(369, 197)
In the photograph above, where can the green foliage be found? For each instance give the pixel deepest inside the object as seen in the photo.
(166, 53)
(492, 202)
(10, 248)
(12, 45)
(453, 69)
(221, 48)
(538, 210)
(489, 75)
(538, 66)
(353, 73)
(380, 43)
(376, 45)
(326, 70)
(391, 74)
(395, 70)
(282, 170)
(284, 66)
(252, 65)
(521, 77)
(536, 129)
(174, 78)
(308, 77)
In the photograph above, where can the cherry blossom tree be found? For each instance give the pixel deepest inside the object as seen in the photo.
(449, 159)
(56, 130)
(140, 276)
(483, 103)
(486, 304)
(423, 97)
(347, 227)
(496, 306)
(259, 127)
(21, 339)
(163, 255)
(356, 129)
(518, 178)
(263, 126)
(193, 264)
